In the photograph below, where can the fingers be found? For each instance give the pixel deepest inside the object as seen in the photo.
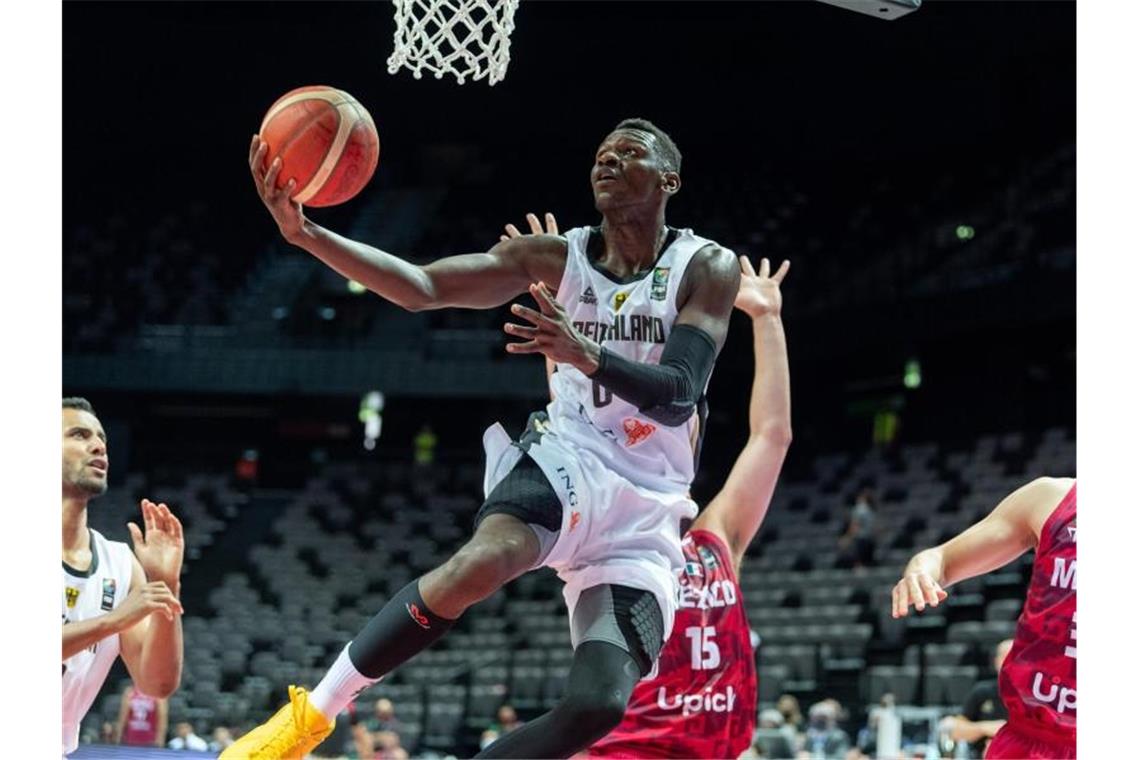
(148, 510)
(512, 232)
(545, 299)
(746, 267)
(270, 184)
(136, 534)
(782, 271)
(764, 267)
(532, 316)
(931, 590)
(521, 331)
(914, 590)
(535, 225)
(530, 347)
(551, 224)
(256, 150)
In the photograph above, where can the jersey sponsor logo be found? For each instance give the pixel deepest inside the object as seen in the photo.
(692, 704)
(636, 431)
(619, 300)
(716, 594)
(420, 618)
(71, 594)
(1064, 697)
(568, 484)
(636, 328)
(1064, 573)
(108, 600)
(660, 284)
(575, 518)
(588, 296)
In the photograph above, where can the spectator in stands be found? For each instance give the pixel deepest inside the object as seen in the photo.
(142, 720)
(867, 739)
(857, 545)
(824, 738)
(773, 738)
(383, 717)
(983, 714)
(185, 738)
(387, 746)
(507, 720)
(222, 738)
(789, 707)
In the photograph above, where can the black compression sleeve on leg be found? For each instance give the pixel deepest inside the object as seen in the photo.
(401, 630)
(601, 680)
(666, 392)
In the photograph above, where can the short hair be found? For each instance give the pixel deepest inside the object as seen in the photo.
(78, 402)
(666, 148)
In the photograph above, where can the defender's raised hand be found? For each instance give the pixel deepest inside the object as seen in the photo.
(288, 214)
(759, 293)
(551, 333)
(160, 550)
(535, 227)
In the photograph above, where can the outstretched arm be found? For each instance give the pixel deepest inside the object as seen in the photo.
(736, 512)
(1005, 534)
(477, 280)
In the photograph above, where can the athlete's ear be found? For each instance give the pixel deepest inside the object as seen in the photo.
(671, 182)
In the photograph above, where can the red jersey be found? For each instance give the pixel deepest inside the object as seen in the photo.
(703, 701)
(142, 720)
(1038, 680)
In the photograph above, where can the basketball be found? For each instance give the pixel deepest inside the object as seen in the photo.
(327, 142)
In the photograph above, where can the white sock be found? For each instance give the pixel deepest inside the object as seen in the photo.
(341, 684)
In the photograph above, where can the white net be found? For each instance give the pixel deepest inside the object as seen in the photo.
(465, 38)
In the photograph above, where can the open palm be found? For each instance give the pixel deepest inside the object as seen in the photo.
(160, 549)
(759, 293)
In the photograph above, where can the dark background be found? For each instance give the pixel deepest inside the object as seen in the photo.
(916, 125)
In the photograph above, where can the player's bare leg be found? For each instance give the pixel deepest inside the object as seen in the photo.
(502, 548)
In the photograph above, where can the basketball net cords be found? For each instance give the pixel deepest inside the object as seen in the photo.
(465, 38)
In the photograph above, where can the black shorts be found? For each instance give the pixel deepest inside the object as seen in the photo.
(524, 493)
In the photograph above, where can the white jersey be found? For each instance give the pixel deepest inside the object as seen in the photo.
(633, 320)
(88, 595)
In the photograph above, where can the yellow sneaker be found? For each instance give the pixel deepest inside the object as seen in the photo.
(292, 733)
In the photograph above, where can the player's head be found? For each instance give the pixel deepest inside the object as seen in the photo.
(384, 709)
(636, 165)
(84, 449)
(1000, 652)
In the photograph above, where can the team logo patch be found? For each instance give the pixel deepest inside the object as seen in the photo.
(636, 431)
(71, 595)
(619, 299)
(575, 518)
(693, 569)
(659, 286)
(108, 600)
(588, 296)
(420, 618)
(707, 557)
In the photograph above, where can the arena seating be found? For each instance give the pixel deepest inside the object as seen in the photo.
(279, 610)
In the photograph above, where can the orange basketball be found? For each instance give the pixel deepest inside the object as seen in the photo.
(327, 142)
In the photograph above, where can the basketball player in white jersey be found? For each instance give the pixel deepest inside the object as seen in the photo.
(114, 602)
(633, 313)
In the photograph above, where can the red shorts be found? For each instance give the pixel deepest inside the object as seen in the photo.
(1011, 744)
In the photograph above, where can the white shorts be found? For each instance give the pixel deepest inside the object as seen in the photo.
(613, 532)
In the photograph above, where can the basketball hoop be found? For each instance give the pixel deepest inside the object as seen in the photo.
(465, 38)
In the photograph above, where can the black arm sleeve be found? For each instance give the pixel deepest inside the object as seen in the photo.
(667, 392)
